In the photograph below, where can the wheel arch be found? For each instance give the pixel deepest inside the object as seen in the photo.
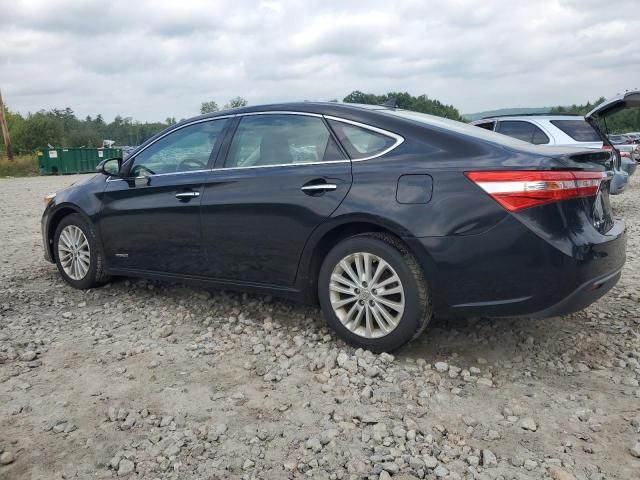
(61, 211)
(333, 232)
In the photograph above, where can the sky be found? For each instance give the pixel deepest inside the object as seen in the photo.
(156, 59)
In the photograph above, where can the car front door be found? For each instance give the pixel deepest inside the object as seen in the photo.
(150, 220)
(282, 176)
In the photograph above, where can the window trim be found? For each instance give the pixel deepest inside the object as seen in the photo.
(399, 139)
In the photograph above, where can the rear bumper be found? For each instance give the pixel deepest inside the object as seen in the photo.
(510, 271)
(582, 297)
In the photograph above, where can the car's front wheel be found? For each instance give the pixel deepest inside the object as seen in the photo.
(78, 253)
(373, 292)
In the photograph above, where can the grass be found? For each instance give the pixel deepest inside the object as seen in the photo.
(20, 166)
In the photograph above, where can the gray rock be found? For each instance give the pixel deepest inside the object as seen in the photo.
(430, 462)
(163, 332)
(488, 458)
(529, 423)
(441, 366)
(166, 420)
(125, 467)
(215, 431)
(635, 450)
(441, 471)
(70, 427)
(28, 356)
(172, 450)
(314, 445)
(390, 467)
(129, 422)
(342, 359)
(469, 421)
(473, 460)
(112, 413)
(6, 458)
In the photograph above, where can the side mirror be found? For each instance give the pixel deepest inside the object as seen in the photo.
(110, 167)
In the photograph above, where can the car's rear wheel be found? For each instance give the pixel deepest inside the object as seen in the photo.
(78, 253)
(373, 292)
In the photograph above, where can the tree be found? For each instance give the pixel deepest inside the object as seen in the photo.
(627, 120)
(208, 107)
(406, 101)
(38, 130)
(236, 102)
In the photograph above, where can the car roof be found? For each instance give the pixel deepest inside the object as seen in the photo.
(546, 116)
(309, 107)
(380, 116)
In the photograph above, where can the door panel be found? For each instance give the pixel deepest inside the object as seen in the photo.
(151, 220)
(146, 227)
(256, 221)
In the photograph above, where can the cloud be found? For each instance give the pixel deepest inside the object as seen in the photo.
(152, 59)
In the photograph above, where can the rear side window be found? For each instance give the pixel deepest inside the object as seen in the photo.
(361, 142)
(262, 140)
(579, 130)
(521, 130)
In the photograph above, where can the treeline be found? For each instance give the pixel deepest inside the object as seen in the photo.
(406, 101)
(627, 120)
(62, 128)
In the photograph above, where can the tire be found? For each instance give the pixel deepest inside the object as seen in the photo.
(411, 310)
(94, 275)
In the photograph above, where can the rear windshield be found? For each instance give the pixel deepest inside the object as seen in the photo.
(459, 127)
(579, 130)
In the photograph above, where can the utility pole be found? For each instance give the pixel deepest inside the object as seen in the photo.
(5, 130)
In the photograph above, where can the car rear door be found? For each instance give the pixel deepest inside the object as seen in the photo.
(150, 220)
(281, 176)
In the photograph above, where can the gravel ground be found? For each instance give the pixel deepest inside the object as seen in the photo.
(148, 380)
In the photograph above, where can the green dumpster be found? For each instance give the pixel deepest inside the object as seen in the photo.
(65, 161)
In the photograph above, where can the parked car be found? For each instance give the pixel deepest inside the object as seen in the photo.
(632, 148)
(627, 162)
(382, 216)
(554, 130)
(622, 139)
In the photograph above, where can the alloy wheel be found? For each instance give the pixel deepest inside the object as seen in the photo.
(74, 252)
(367, 295)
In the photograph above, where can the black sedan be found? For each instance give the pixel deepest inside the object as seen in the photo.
(382, 216)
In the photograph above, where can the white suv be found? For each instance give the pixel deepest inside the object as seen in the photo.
(569, 130)
(555, 130)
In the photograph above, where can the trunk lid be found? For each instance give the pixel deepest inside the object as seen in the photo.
(613, 105)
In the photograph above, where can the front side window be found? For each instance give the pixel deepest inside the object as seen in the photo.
(579, 130)
(522, 130)
(281, 139)
(183, 150)
(361, 142)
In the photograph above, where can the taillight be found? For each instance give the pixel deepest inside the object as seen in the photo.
(517, 190)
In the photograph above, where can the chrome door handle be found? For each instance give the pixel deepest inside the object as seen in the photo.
(184, 195)
(321, 187)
